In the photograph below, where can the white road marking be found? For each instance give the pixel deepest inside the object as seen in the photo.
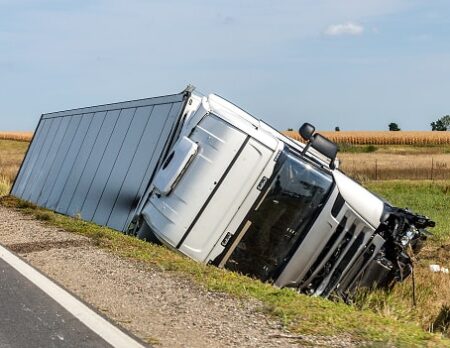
(87, 316)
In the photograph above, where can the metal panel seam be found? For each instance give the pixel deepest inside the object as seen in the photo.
(115, 161)
(101, 159)
(53, 162)
(131, 162)
(76, 158)
(26, 154)
(33, 159)
(87, 160)
(43, 159)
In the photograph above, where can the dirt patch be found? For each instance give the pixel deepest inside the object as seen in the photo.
(25, 248)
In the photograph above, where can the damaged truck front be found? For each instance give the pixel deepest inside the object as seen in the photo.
(237, 194)
(207, 179)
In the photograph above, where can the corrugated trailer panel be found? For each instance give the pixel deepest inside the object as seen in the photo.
(97, 162)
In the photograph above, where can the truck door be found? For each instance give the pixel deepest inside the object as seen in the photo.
(196, 189)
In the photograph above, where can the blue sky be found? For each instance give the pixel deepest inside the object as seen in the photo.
(353, 64)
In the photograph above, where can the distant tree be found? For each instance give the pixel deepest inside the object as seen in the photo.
(337, 129)
(438, 126)
(393, 127)
(446, 120)
(441, 124)
(290, 129)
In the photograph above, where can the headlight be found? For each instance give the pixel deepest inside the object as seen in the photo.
(408, 236)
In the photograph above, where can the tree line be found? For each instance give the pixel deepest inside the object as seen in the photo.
(441, 124)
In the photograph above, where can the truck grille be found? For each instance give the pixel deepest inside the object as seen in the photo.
(344, 263)
(326, 252)
(347, 241)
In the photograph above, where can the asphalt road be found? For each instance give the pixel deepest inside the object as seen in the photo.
(29, 317)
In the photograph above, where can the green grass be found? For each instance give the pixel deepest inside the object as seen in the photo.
(395, 149)
(300, 313)
(430, 198)
(350, 148)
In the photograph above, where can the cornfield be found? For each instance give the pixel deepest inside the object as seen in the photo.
(19, 136)
(383, 137)
(11, 156)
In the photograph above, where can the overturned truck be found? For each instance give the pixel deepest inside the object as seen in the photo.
(204, 177)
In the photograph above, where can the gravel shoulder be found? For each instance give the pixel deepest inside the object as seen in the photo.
(161, 308)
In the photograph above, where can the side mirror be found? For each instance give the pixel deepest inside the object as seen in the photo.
(306, 131)
(325, 147)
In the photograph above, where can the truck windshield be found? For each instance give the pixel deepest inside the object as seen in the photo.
(295, 197)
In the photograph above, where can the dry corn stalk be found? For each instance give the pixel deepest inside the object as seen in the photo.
(384, 137)
(20, 136)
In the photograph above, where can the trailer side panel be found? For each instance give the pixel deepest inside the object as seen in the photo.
(97, 162)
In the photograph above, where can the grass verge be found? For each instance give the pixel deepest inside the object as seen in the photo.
(431, 198)
(417, 149)
(300, 313)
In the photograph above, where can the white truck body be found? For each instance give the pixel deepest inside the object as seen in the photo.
(206, 178)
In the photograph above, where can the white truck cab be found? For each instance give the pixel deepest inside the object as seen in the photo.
(235, 193)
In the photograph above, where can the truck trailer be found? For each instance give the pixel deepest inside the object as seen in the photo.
(204, 177)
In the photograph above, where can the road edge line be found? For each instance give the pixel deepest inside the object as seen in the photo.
(96, 323)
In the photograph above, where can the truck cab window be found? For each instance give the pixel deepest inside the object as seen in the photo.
(294, 199)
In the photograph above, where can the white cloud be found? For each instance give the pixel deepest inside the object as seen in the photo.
(348, 28)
